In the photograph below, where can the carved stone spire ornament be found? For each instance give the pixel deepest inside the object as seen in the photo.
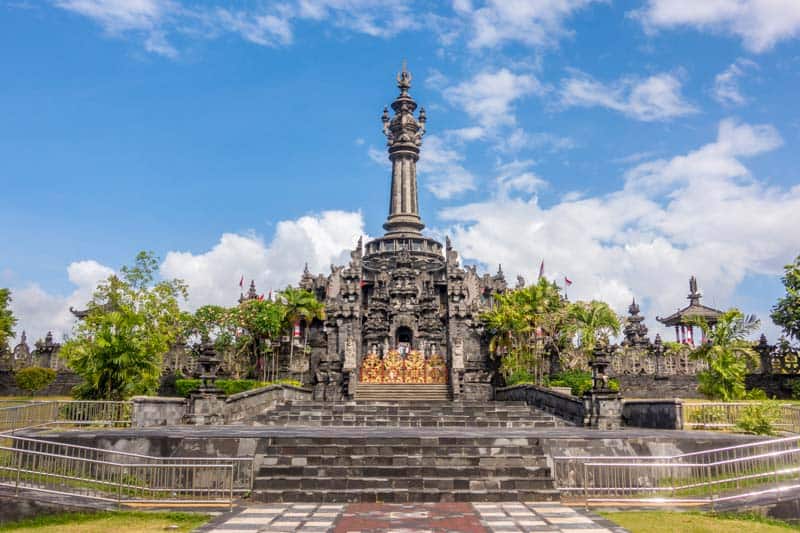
(403, 138)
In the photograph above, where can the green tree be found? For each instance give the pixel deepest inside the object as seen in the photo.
(34, 378)
(524, 327)
(132, 321)
(591, 321)
(786, 312)
(728, 354)
(257, 323)
(7, 320)
(301, 306)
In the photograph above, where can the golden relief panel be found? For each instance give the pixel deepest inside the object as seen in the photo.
(414, 368)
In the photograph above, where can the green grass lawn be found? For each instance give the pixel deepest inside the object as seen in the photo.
(103, 522)
(672, 522)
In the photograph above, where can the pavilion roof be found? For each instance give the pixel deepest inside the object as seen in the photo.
(693, 310)
(690, 311)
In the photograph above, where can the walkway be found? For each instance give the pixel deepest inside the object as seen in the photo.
(397, 518)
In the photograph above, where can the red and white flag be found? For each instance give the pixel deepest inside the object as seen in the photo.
(297, 329)
(567, 281)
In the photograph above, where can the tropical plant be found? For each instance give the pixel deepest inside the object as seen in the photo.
(257, 323)
(132, 321)
(786, 312)
(525, 326)
(591, 321)
(728, 354)
(7, 320)
(301, 307)
(760, 418)
(34, 378)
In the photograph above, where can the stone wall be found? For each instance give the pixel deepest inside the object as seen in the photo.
(563, 405)
(775, 385)
(62, 386)
(250, 403)
(650, 386)
(149, 411)
(657, 414)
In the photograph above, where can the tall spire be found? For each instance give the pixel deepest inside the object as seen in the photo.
(404, 136)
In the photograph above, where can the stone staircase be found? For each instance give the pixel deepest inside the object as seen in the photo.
(402, 392)
(432, 414)
(412, 456)
(401, 469)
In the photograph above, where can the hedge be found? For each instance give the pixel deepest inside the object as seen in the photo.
(185, 387)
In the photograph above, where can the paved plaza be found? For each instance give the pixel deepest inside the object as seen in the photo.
(433, 517)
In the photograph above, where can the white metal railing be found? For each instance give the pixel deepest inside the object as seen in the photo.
(121, 477)
(705, 477)
(726, 415)
(65, 412)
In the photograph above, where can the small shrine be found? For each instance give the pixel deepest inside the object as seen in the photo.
(681, 319)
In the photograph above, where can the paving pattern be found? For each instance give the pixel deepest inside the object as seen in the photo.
(402, 518)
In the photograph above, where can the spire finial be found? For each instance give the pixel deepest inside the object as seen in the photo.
(404, 79)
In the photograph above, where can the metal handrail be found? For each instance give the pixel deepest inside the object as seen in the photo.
(242, 466)
(95, 473)
(65, 412)
(697, 477)
(724, 415)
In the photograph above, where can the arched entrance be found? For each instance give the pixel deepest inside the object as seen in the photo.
(403, 339)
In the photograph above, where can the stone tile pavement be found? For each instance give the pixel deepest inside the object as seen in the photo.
(402, 518)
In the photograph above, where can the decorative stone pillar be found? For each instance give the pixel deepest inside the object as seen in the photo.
(658, 353)
(602, 406)
(207, 404)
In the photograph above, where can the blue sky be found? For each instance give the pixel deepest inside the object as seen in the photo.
(626, 144)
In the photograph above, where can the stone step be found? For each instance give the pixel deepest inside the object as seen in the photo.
(403, 496)
(544, 424)
(404, 472)
(435, 483)
(510, 466)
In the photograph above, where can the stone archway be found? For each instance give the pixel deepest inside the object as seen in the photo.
(404, 338)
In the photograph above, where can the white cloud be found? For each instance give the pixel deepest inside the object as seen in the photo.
(759, 23)
(726, 83)
(657, 97)
(213, 276)
(141, 17)
(519, 139)
(700, 213)
(39, 311)
(495, 22)
(489, 96)
(378, 18)
(441, 169)
(156, 23)
(265, 29)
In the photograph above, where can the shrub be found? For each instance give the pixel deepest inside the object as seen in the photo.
(185, 387)
(759, 418)
(580, 381)
(34, 378)
(518, 376)
(796, 389)
(756, 394)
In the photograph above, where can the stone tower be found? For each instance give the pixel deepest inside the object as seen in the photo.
(403, 310)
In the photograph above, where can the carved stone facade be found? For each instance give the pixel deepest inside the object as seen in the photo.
(403, 309)
(44, 354)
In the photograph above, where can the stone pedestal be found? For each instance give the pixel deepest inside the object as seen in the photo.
(206, 409)
(602, 410)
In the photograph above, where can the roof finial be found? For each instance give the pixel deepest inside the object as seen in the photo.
(404, 79)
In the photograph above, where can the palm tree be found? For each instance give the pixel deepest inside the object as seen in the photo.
(727, 353)
(591, 321)
(301, 306)
(524, 325)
